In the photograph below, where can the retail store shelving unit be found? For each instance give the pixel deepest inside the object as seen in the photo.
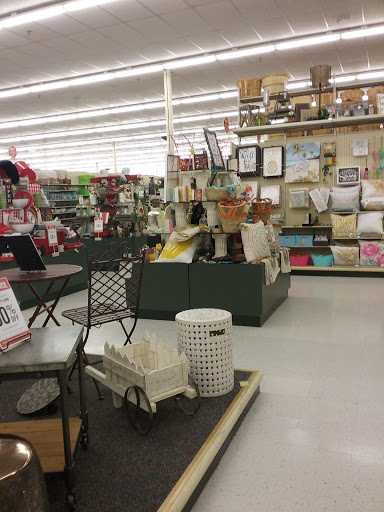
(63, 199)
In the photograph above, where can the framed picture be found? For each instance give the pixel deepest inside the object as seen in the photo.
(348, 175)
(249, 190)
(273, 162)
(216, 156)
(299, 199)
(303, 163)
(271, 192)
(360, 147)
(380, 103)
(248, 158)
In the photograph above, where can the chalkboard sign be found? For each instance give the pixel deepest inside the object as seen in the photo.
(348, 175)
(216, 157)
(248, 158)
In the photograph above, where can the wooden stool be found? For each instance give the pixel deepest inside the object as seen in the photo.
(22, 483)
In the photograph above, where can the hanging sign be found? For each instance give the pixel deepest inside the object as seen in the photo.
(98, 227)
(12, 151)
(13, 329)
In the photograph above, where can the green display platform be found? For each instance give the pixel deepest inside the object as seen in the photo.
(169, 288)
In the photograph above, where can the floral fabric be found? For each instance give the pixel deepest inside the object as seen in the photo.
(372, 188)
(371, 253)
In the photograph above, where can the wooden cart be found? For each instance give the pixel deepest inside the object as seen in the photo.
(144, 373)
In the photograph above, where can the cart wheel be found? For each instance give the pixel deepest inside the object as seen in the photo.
(84, 441)
(71, 502)
(189, 405)
(140, 419)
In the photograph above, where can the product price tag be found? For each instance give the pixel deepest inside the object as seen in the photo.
(81, 199)
(52, 236)
(8, 194)
(98, 227)
(13, 329)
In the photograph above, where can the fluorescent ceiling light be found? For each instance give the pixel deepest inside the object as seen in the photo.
(297, 85)
(371, 75)
(363, 32)
(347, 78)
(13, 92)
(198, 99)
(236, 54)
(308, 41)
(92, 79)
(84, 4)
(194, 61)
(28, 17)
(230, 94)
(143, 70)
(49, 86)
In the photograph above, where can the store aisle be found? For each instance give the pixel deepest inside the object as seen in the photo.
(314, 439)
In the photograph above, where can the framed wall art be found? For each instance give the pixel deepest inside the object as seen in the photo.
(348, 175)
(249, 158)
(271, 192)
(303, 163)
(249, 190)
(380, 103)
(213, 146)
(360, 147)
(298, 199)
(273, 158)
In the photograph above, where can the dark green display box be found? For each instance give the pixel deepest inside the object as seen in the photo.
(169, 288)
(165, 290)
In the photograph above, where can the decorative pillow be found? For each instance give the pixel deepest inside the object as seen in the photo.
(374, 203)
(273, 236)
(345, 200)
(348, 256)
(322, 260)
(371, 222)
(344, 225)
(255, 241)
(179, 252)
(299, 260)
(277, 238)
(372, 188)
(371, 253)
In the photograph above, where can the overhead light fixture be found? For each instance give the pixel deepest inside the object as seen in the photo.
(76, 5)
(313, 104)
(92, 79)
(194, 61)
(248, 52)
(370, 75)
(342, 79)
(231, 94)
(297, 85)
(365, 95)
(49, 86)
(363, 32)
(142, 70)
(28, 17)
(199, 99)
(308, 41)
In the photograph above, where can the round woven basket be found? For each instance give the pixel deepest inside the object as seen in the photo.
(249, 87)
(261, 206)
(232, 217)
(217, 194)
(274, 83)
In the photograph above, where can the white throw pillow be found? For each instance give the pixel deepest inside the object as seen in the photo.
(371, 222)
(255, 241)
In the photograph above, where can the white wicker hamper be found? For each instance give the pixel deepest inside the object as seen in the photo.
(205, 336)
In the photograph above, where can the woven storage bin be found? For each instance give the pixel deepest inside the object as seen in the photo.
(249, 87)
(301, 99)
(275, 82)
(205, 336)
(232, 217)
(217, 194)
(262, 208)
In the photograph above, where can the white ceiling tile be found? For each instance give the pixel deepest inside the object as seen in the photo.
(373, 10)
(306, 22)
(96, 17)
(154, 29)
(164, 6)
(210, 41)
(222, 15)
(64, 25)
(11, 40)
(128, 10)
(189, 21)
(32, 31)
(93, 40)
(124, 35)
(262, 9)
(65, 45)
(244, 37)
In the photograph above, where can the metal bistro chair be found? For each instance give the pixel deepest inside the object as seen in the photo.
(114, 287)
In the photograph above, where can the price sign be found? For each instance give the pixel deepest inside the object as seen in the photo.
(52, 236)
(8, 194)
(98, 226)
(13, 329)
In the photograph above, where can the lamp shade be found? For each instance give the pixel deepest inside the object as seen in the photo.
(320, 75)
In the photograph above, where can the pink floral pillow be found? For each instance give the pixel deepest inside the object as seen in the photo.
(371, 253)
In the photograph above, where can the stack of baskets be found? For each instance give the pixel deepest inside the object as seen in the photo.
(262, 208)
(232, 216)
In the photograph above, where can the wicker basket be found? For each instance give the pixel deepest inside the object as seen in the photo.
(249, 87)
(275, 82)
(262, 208)
(217, 194)
(232, 217)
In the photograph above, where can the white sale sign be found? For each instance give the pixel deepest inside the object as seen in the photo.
(13, 329)
(52, 236)
(98, 227)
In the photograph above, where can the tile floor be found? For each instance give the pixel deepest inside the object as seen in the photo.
(314, 439)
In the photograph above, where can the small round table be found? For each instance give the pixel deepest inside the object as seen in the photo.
(50, 275)
(42, 394)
